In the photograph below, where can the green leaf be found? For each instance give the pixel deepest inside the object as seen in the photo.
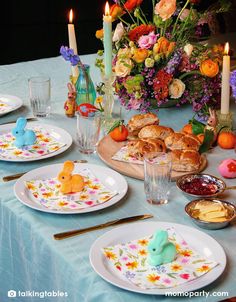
(115, 125)
(120, 252)
(208, 140)
(197, 127)
(171, 275)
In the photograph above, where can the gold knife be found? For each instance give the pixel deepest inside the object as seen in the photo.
(68, 234)
(18, 175)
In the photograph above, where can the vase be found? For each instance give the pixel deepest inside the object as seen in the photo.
(84, 86)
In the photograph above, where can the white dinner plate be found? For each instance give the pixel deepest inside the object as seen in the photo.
(111, 179)
(198, 240)
(11, 100)
(57, 133)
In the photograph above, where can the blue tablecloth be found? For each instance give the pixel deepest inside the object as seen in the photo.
(31, 260)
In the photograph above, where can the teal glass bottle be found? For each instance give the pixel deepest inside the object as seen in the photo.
(84, 86)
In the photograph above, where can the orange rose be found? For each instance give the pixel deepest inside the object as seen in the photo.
(209, 68)
(140, 54)
(165, 9)
(116, 11)
(163, 46)
(99, 34)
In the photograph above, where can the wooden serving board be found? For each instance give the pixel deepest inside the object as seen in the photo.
(107, 148)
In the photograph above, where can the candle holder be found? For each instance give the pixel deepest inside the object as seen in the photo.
(109, 119)
(224, 120)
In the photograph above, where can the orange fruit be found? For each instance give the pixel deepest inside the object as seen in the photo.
(226, 140)
(188, 128)
(119, 134)
(200, 137)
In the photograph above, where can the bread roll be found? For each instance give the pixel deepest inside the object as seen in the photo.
(138, 148)
(185, 160)
(138, 121)
(155, 132)
(182, 141)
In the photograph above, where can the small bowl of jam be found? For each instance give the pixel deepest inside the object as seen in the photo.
(211, 213)
(201, 185)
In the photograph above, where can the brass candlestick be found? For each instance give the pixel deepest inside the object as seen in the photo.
(224, 120)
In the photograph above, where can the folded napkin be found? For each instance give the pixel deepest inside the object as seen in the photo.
(130, 261)
(47, 193)
(44, 144)
(4, 107)
(123, 155)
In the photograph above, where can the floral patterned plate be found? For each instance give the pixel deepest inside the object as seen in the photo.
(28, 190)
(9, 103)
(196, 240)
(51, 141)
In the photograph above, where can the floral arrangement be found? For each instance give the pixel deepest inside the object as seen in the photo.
(158, 59)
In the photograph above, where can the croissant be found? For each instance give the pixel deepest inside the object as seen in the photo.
(182, 141)
(138, 148)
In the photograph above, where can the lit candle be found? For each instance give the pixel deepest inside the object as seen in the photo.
(225, 84)
(107, 28)
(72, 42)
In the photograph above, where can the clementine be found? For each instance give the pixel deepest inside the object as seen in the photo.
(201, 137)
(226, 140)
(188, 128)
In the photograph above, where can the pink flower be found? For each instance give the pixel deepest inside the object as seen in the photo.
(147, 41)
(184, 276)
(134, 103)
(185, 260)
(89, 203)
(133, 246)
(125, 258)
(165, 9)
(167, 281)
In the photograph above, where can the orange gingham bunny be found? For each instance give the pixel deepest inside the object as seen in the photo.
(70, 183)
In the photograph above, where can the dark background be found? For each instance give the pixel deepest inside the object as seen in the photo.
(32, 29)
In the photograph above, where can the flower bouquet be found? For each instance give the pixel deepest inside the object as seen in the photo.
(158, 60)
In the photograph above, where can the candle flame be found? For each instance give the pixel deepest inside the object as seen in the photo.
(107, 9)
(226, 50)
(71, 16)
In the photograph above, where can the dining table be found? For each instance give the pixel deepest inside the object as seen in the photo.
(32, 260)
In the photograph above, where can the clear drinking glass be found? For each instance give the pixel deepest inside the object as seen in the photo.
(88, 130)
(157, 175)
(40, 93)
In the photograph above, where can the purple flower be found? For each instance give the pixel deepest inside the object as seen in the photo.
(233, 82)
(174, 62)
(68, 54)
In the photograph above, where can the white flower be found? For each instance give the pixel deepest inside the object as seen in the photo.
(188, 48)
(123, 67)
(118, 33)
(176, 88)
(149, 62)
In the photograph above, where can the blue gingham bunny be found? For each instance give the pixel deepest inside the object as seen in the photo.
(23, 137)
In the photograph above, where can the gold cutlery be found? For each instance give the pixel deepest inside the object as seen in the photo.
(18, 175)
(68, 234)
(29, 119)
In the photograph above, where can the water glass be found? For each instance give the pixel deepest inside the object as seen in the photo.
(40, 93)
(88, 130)
(157, 176)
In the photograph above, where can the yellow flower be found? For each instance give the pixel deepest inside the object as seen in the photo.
(62, 203)
(142, 253)
(143, 242)
(84, 197)
(99, 99)
(209, 68)
(153, 278)
(178, 247)
(30, 186)
(176, 267)
(105, 198)
(203, 269)
(140, 54)
(55, 148)
(47, 194)
(94, 187)
(3, 146)
(132, 265)
(110, 255)
(186, 253)
(17, 152)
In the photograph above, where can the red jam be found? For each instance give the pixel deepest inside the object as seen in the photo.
(200, 186)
